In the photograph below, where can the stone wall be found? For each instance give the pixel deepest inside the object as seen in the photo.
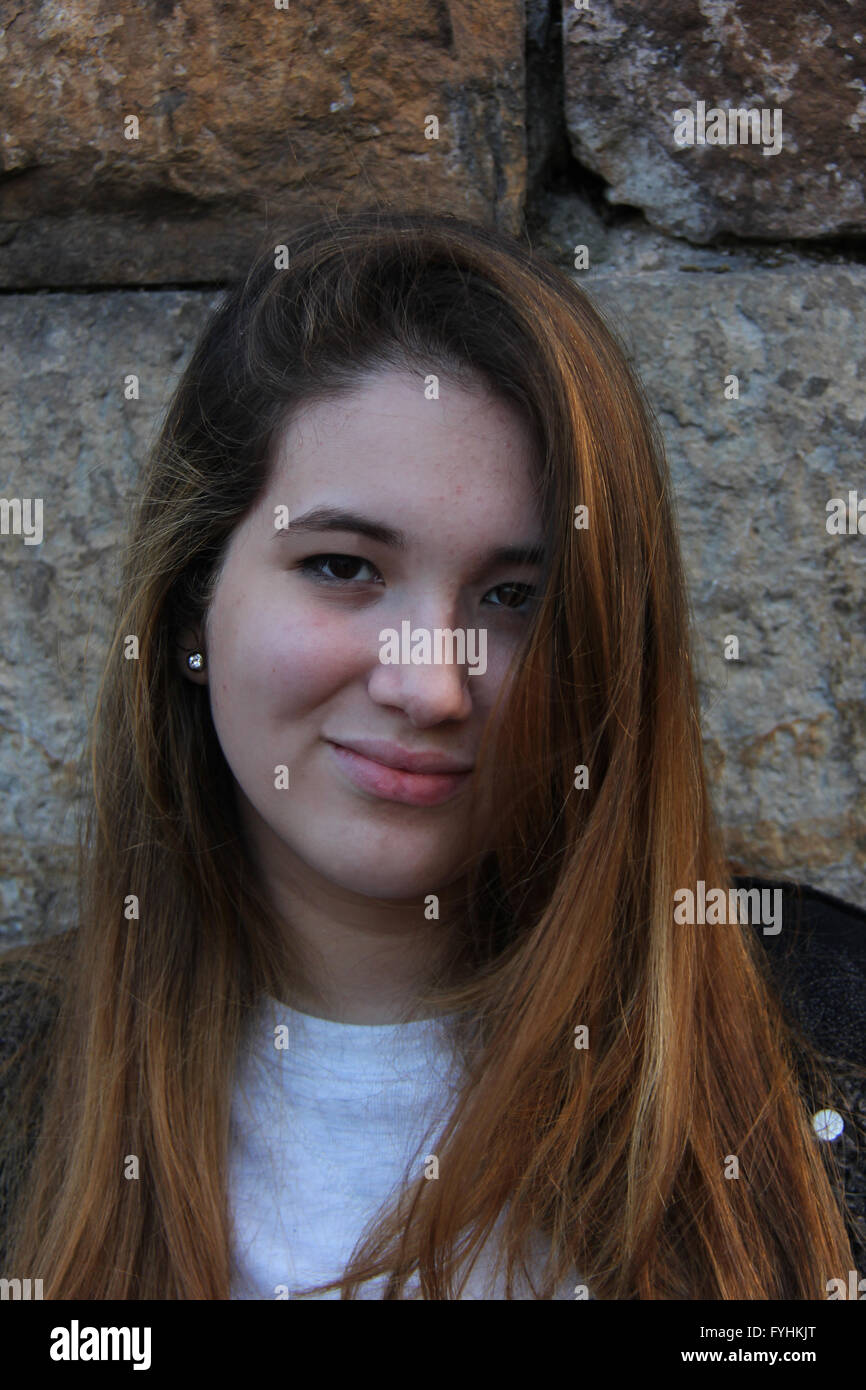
(147, 147)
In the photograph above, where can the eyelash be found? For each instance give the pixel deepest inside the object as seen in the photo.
(307, 566)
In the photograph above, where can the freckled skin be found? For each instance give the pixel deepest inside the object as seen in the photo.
(293, 659)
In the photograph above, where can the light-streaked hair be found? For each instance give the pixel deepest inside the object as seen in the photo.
(616, 1152)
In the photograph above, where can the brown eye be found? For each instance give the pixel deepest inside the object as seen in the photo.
(312, 565)
(525, 593)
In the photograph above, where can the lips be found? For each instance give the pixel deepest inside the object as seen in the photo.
(386, 782)
(392, 755)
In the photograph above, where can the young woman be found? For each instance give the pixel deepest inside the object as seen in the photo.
(380, 985)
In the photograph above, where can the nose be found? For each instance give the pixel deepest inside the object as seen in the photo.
(435, 688)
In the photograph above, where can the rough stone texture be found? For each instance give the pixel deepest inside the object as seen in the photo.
(71, 438)
(629, 66)
(558, 223)
(785, 726)
(247, 115)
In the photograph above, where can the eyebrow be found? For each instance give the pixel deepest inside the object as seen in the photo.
(336, 519)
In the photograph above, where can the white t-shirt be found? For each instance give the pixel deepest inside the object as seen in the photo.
(326, 1116)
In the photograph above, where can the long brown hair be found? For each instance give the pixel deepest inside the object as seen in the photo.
(616, 1151)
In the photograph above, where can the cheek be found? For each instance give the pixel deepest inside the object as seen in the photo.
(490, 694)
(302, 665)
(502, 669)
(269, 662)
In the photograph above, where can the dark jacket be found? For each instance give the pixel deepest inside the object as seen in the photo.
(817, 963)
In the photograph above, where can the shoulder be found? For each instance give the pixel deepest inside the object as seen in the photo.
(842, 1128)
(818, 963)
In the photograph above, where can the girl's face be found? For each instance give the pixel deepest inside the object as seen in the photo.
(292, 638)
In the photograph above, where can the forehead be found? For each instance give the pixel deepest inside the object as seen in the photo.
(389, 427)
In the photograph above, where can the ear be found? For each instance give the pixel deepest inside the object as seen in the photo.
(189, 640)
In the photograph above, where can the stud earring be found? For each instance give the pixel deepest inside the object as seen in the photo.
(195, 661)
